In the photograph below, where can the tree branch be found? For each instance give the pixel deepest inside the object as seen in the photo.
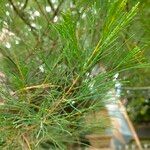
(25, 4)
(57, 9)
(51, 5)
(23, 18)
(41, 86)
(47, 19)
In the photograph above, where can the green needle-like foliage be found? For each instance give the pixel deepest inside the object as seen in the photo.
(51, 81)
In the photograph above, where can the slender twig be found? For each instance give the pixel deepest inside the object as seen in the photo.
(51, 5)
(26, 141)
(22, 17)
(40, 8)
(57, 9)
(55, 13)
(55, 106)
(46, 30)
(40, 86)
(25, 4)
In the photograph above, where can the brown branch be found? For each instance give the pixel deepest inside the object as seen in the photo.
(27, 144)
(68, 92)
(41, 10)
(40, 86)
(46, 30)
(57, 9)
(23, 18)
(25, 4)
(51, 5)
(55, 14)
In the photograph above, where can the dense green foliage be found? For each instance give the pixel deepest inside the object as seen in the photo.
(138, 88)
(139, 30)
(52, 52)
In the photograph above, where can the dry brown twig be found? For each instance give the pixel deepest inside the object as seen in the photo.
(40, 86)
(26, 144)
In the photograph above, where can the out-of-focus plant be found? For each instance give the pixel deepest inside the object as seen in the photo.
(137, 90)
(139, 113)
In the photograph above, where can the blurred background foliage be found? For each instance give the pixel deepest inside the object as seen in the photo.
(138, 92)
